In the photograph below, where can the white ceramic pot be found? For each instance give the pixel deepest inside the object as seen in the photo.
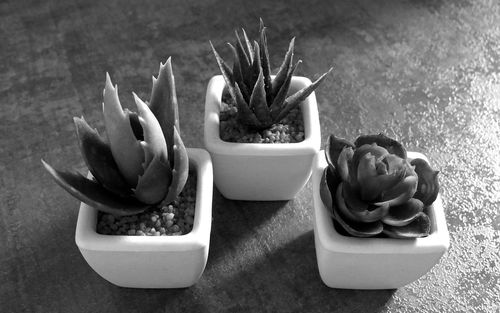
(260, 171)
(150, 261)
(373, 263)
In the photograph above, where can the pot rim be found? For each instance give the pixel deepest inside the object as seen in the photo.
(86, 236)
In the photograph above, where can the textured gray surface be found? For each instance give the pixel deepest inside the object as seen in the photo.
(424, 71)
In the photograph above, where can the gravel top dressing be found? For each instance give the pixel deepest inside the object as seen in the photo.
(171, 220)
(289, 130)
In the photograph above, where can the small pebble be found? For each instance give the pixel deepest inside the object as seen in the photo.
(172, 220)
(289, 130)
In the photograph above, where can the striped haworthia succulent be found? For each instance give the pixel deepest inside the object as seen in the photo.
(261, 101)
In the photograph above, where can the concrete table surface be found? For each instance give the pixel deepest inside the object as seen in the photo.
(426, 72)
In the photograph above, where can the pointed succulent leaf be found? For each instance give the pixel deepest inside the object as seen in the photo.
(95, 195)
(284, 69)
(99, 158)
(294, 100)
(246, 62)
(125, 147)
(225, 71)
(238, 74)
(403, 214)
(164, 104)
(154, 142)
(256, 67)
(334, 147)
(258, 103)
(153, 185)
(419, 227)
(279, 99)
(180, 170)
(248, 45)
(391, 145)
(428, 185)
(264, 60)
(245, 115)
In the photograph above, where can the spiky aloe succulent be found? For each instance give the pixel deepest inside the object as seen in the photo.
(372, 188)
(261, 101)
(141, 163)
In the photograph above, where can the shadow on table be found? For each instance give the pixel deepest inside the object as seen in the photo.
(287, 280)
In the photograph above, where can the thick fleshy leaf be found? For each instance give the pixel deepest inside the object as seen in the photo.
(279, 99)
(324, 191)
(245, 115)
(371, 184)
(238, 75)
(328, 186)
(377, 151)
(294, 100)
(343, 161)
(357, 229)
(264, 60)
(280, 77)
(403, 214)
(99, 158)
(127, 151)
(164, 104)
(258, 103)
(428, 184)
(248, 47)
(400, 193)
(154, 142)
(180, 170)
(353, 200)
(333, 148)
(135, 124)
(419, 227)
(95, 195)
(153, 185)
(372, 214)
(391, 145)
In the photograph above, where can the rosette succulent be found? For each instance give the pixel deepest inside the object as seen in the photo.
(142, 162)
(372, 187)
(261, 101)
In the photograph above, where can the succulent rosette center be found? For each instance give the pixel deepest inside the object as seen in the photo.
(372, 188)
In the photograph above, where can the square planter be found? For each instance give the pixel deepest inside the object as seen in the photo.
(150, 261)
(373, 263)
(261, 171)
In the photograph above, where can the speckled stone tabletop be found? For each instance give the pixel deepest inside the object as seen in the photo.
(425, 72)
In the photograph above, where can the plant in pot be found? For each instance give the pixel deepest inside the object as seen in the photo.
(378, 216)
(261, 130)
(145, 216)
